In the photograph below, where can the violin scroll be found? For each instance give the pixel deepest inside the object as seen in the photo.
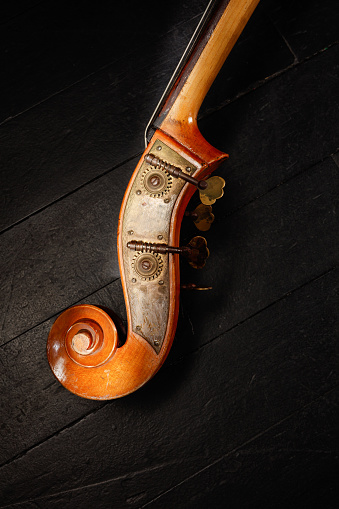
(85, 350)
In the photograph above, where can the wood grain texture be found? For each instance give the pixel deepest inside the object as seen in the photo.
(233, 378)
(181, 119)
(53, 149)
(243, 411)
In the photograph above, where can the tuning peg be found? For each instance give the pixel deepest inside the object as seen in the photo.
(196, 250)
(175, 171)
(202, 217)
(213, 190)
(193, 286)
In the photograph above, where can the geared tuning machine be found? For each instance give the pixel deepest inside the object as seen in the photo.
(196, 250)
(174, 171)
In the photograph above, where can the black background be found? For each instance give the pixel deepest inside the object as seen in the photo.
(243, 413)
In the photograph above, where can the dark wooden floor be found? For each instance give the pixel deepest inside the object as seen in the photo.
(244, 412)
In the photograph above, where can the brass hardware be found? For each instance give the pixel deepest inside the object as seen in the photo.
(202, 217)
(213, 190)
(147, 266)
(196, 251)
(193, 286)
(156, 182)
(174, 171)
(149, 247)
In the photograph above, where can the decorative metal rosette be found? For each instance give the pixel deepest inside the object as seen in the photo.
(148, 266)
(157, 182)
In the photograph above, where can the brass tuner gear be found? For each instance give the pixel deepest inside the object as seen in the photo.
(213, 191)
(148, 266)
(156, 182)
(202, 217)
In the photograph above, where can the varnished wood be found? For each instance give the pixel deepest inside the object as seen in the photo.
(253, 360)
(181, 117)
(128, 367)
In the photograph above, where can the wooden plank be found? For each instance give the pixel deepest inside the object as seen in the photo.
(52, 45)
(9, 10)
(35, 407)
(278, 130)
(291, 465)
(61, 148)
(86, 130)
(262, 251)
(250, 383)
(81, 230)
(213, 402)
(308, 26)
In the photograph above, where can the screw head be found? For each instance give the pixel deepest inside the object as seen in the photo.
(134, 280)
(154, 180)
(188, 169)
(159, 147)
(156, 342)
(166, 200)
(160, 237)
(146, 264)
(131, 232)
(138, 191)
(161, 282)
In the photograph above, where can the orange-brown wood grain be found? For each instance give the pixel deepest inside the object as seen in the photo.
(83, 348)
(181, 119)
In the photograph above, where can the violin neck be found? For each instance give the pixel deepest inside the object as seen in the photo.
(218, 31)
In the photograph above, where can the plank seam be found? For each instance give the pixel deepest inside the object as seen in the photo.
(209, 112)
(91, 74)
(258, 84)
(167, 366)
(247, 442)
(221, 458)
(287, 180)
(60, 311)
(281, 183)
(70, 193)
(284, 296)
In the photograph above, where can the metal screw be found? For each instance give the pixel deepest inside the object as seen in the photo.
(156, 342)
(166, 200)
(154, 180)
(146, 264)
(159, 147)
(131, 232)
(160, 237)
(134, 280)
(188, 169)
(138, 327)
(161, 282)
(138, 191)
